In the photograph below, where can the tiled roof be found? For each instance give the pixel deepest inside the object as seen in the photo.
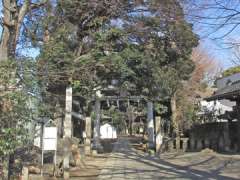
(228, 92)
(222, 82)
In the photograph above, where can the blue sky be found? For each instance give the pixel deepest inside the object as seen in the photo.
(208, 17)
(216, 48)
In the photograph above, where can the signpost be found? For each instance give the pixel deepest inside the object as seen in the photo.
(49, 140)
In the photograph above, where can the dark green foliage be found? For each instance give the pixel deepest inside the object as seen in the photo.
(145, 45)
(147, 52)
(15, 109)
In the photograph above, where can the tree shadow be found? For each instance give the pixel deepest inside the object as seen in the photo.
(157, 167)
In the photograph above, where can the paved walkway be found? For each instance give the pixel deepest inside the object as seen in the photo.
(127, 163)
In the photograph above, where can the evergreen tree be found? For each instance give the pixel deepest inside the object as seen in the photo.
(145, 45)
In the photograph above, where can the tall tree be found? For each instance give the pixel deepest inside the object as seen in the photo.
(167, 41)
(15, 110)
(196, 88)
(14, 13)
(145, 45)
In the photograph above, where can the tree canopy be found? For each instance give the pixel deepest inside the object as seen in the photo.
(145, 45)
(231, 71)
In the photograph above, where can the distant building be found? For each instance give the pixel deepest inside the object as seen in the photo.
(223, 100)
(228, 80)
(107, 131)
(217, 108)
(225, 105)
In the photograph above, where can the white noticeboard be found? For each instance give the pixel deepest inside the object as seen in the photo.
(49, 143)
(50, 139)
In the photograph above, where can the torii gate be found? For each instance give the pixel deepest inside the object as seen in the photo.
(150, 117)
(154, 141)
(151, 124)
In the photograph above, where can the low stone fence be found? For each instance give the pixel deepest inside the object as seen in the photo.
(219, 136)
(174, 145)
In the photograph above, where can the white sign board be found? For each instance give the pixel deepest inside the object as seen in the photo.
(50, 139)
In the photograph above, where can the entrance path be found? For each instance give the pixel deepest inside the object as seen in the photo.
(125, 163)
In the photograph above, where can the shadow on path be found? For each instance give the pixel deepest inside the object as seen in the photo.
(151, 167)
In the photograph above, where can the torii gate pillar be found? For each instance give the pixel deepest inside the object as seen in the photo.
(150, 125)
(88, 130)
(158, 131)
(67, 131)
(68, 113)
(97, 144)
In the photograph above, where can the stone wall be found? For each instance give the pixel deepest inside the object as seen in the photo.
(219, 136)
(172, 145)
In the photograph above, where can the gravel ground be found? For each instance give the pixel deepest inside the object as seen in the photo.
(127, 161)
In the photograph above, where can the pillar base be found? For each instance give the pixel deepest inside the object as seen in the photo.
(87, 146)
(25, 173)
(98, 147)
(151, 145)
(66, 175)
(185, 144)
(159, 142)
(87, 150)
(177, 140)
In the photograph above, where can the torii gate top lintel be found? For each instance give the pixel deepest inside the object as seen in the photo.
(122, 98)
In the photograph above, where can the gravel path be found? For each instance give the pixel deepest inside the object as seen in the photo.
(127, 163)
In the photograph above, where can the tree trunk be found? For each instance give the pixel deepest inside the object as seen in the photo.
(174, 115)
(18, 23)
(4, 51)
(13, 17)
(7, 24)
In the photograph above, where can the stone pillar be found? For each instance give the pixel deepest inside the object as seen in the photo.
(221, 144)
(238, 131)
(199, 144)
(192, 143)
(227, 142)
(207, 143)
(238, 123)
(97, 134)
(177, 140)
(67, 132)
(67, 145)
(150, 125)
(25, 173)
(170, 145)
(159, 137)
(184, 144)
(66, 162)
(88, 130)
(68, 113)
(130, 119)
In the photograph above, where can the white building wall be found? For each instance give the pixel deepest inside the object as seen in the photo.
(108, 132)
(217, 107)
